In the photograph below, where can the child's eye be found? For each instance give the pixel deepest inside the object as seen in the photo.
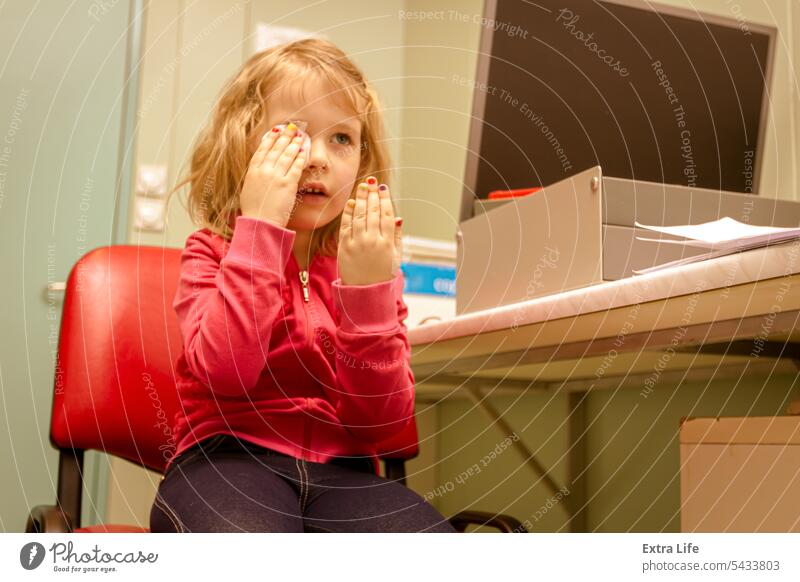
(347, 137)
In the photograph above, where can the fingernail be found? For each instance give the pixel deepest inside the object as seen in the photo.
(301, 149)
(371, 181)
(398, 221)
(275, 129)
(383, 187)
(362, 186)
(291, 127)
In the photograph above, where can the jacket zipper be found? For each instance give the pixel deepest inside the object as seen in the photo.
(304, 283)
(306, 420)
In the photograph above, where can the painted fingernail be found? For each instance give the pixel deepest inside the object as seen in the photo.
(276, 129)
(300, 150)
(398, 221)
(291, 127)
(383, 187)
(362, 186)
(371, 181)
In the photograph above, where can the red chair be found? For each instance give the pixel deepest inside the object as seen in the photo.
(115, 381)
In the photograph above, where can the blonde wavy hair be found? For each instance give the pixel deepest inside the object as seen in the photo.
(223, 148)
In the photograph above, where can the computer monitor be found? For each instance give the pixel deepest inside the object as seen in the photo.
(646, 91)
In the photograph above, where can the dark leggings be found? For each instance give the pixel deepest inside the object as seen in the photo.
(224, 484)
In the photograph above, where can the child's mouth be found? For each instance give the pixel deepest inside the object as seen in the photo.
(314, 197)
(313, 188)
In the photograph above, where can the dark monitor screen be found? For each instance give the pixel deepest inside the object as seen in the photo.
(668, 96)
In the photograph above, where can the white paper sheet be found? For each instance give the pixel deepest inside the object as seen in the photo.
(724, 230)
(720, 237)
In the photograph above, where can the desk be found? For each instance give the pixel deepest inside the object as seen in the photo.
(723, 318)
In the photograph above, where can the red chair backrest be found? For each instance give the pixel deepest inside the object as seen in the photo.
(115, 376)
(119, 341)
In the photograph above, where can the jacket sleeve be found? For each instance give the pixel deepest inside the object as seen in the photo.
(374, 395)
(226, 308)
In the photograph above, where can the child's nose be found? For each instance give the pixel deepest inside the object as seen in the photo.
(318, 155)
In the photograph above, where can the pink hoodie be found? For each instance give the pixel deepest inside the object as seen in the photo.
(316, 377)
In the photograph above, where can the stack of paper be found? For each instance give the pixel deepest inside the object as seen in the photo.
(430, 251)
(720, 237)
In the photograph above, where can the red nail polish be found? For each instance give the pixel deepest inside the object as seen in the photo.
(275, 130)
(398, 221)
(301, 149)
(371, 181)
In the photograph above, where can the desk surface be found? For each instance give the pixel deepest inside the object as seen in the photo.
(730, 315)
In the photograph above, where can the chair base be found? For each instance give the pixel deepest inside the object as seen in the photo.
(504, 523)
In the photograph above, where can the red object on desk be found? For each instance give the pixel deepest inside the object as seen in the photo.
(497, 194)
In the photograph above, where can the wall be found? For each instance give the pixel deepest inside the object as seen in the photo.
(437, 112)
(65, 86)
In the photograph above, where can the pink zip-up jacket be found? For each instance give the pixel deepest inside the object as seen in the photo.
(288, 359)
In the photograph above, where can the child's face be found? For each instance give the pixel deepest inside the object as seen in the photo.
(335, 154)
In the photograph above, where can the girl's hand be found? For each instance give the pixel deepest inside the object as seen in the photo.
(370, 242)
(270, 186)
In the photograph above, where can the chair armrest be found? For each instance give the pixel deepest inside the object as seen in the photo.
(48, 519)
(505, 523)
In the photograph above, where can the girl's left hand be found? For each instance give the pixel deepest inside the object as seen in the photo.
(370, 242)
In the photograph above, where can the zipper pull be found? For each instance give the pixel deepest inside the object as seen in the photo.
(304, 281)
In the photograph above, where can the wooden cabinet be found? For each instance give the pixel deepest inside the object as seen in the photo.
(740, 474)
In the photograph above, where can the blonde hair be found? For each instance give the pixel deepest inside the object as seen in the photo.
(223, 149)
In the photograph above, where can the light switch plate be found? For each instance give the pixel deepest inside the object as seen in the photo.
(151, 180)
(149, 214)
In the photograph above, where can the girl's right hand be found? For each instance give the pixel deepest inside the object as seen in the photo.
(270, 186)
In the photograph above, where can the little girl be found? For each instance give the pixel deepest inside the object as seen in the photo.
(295, 362)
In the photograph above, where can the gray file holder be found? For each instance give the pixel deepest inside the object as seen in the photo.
(580, 231)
